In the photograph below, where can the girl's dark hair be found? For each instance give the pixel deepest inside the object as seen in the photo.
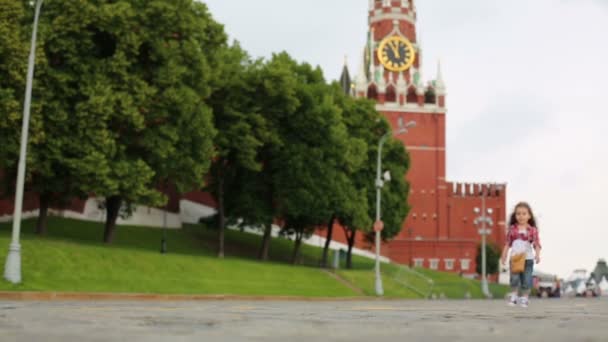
(513, 219)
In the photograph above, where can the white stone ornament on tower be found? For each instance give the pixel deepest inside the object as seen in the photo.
(414, 76)
(361, 80)
(380, 81)
(418, 46)
(420, 85)
(439, 83)
(401, 87)
(401, 83)
(370, 47)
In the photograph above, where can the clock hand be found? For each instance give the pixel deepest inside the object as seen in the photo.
(395, 47)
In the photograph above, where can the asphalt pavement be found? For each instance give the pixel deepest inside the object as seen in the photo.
(263, 320)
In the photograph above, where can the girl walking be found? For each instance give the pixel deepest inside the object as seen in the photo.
(523, 241)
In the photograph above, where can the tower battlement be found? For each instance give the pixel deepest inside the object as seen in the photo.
(383, 6)
(458, 189)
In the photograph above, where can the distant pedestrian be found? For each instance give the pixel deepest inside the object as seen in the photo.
(523, 241)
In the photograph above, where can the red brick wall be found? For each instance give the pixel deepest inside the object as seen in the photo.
(30, 200)
(404, 252)
(201, 197)
(462, 215)
(339, 236)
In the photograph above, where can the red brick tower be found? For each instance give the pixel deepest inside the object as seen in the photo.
(439, 231)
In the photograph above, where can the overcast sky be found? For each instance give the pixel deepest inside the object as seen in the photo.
(526, 81)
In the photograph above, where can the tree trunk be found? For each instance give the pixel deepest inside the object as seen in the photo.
(297, 247)
(41, 224)
(328, 237)
(222, 217)
(349, 254)
(112, 209)
(263, 254)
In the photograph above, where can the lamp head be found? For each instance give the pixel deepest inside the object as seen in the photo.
(387, 176)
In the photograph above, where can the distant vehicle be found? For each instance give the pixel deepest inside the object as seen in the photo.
(581, 285)
(546, 285)
(598, 280)
(592, 288)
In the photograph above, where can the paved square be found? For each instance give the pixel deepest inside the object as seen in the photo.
(545, 320)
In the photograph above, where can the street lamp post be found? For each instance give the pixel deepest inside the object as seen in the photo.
(378, 225)
(410, 230)
(482, 220)
(163, 242)
(12, 269)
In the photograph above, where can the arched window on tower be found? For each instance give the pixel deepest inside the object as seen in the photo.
(391, 94)
(429, 96)
(411, 95)
(372, 93)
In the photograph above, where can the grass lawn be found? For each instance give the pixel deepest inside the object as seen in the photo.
(73, 258)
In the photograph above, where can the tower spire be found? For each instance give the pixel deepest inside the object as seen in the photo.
(345, 81)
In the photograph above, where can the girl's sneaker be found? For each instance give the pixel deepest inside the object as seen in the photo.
(512, 300)
(523, 302)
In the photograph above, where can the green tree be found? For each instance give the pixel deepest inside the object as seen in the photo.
(395, 193)
(394, 206)
(350, 201)
(128, 81)
(317, 158)
(252, 198)
(492, 259)
(13, 64)
(13, 59)
(16, 19)
(358, 211)
(116, 77)
(242, 127)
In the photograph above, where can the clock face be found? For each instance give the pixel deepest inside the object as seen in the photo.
(396, 53)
